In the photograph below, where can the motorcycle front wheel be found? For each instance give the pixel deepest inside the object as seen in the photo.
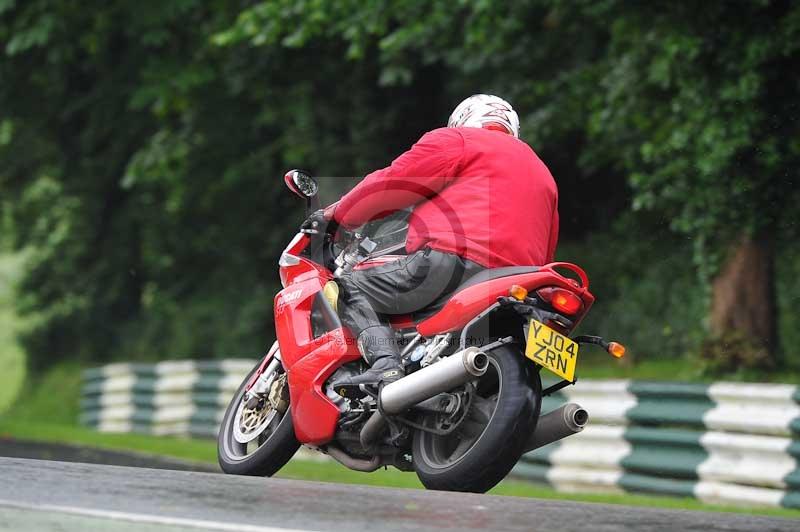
(256, 436)
(490, 440)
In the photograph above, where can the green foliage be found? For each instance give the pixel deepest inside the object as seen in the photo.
(788, 293)
(12, 358)
(141, 144)
(731, 351)
(51, 397)
(689, 102)
(142, 162)
(713, 140)
(647, 297)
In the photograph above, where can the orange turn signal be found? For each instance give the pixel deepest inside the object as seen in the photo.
(616, 349)
(518, 292)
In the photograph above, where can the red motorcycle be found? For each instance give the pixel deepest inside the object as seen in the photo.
(469, 405)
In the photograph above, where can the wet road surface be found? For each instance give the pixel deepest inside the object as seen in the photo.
(48, 495)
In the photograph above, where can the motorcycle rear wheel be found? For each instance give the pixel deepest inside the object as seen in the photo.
(269, 449)
(491, 439)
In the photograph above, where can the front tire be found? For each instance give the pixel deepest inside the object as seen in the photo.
(491, 439)
(271, 434)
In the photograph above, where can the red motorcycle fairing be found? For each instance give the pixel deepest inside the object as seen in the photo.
(295, 268)
(471, 301)
(310, 361)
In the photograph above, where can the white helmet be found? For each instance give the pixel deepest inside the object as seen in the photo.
(485, 111)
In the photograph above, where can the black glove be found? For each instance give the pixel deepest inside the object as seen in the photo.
(314, 223)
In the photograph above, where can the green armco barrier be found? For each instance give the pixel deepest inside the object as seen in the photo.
(183, 398)
(730, 443)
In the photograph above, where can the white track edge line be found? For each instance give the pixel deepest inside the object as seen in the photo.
(146, 518)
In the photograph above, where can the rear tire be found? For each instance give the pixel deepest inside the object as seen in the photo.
(509, 395)
(273, 448)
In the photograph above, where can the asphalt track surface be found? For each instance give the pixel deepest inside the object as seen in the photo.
(64, 496)
(12, 448)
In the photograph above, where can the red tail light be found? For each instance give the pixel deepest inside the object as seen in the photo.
(562, 300)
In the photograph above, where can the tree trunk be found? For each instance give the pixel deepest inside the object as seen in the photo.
(743, 299)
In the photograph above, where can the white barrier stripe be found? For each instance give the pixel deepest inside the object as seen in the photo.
(237, 366)
(580, 479)
(746, 459)
(114, 426)
(117, 399)
(600, 446)
(606, 401)
(736, 494)
(181, 412)
(171, 398)
(121, 412)
(231, 382)
(173, 414)
(118, 369)
(746, 392)
(127, 398)
(175, 367)
(176, 383)
(123, 383)
(756, 408)
(167, 388)
(147, 518)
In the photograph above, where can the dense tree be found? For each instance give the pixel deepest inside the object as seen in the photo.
(140, 143)
(143, 162)
(695, 104)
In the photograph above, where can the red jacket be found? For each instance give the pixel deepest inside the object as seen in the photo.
(481, 194)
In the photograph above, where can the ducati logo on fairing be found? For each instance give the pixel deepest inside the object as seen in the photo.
(288, 297)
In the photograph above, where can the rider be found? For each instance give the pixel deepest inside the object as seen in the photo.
(482, 199)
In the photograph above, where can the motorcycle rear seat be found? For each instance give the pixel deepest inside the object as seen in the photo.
(494, 273)
(480, 277)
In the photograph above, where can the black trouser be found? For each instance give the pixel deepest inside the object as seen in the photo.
(417, 281)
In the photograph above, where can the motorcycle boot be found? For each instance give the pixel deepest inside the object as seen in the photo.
(378, 346)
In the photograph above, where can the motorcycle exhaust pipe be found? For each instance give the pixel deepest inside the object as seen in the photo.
(432, 380)
(367, 466)
(440, 377)
(564, 421)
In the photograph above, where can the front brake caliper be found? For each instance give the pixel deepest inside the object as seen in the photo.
(279, 394)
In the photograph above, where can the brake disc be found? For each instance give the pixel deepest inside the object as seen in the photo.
(249, 423)
(255, 414)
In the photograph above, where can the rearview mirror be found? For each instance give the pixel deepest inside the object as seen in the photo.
(301, 183)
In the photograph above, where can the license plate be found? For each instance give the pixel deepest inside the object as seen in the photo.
(552, 350)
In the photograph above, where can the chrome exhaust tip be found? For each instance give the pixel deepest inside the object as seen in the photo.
(580, 417)
(564, 421)
(476, 362)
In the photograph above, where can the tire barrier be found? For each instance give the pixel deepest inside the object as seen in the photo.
(728, 443)
(175, 398)
(725, 443)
